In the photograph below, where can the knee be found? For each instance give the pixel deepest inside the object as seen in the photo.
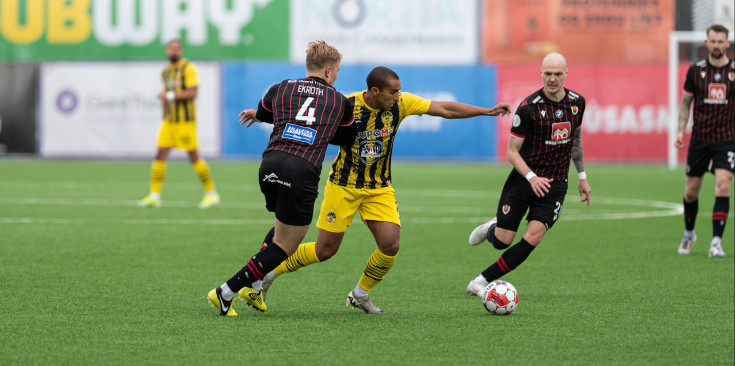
(722, 188)
(691, 194)
(389, 248)
(497, 243)
(326, 252)
(534, 236)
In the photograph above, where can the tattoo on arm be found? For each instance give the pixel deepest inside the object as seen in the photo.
(577, 152)
(686, 102)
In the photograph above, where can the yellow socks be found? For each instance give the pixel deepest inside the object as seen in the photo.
(305, 255)
(377, 266)
(202, 170)
(158, 172)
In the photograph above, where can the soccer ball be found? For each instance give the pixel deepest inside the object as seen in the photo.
(499, 298)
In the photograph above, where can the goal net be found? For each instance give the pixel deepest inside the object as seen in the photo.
(685, 48)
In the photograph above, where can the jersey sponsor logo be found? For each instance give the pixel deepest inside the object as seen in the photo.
(560, 133)
(299, 133)
(703, 74)
(373, 134)
(559, 113)
(716, 94)
(575, 109)
(718, 77)
(516, 120)
(370, 151)
(543, 114)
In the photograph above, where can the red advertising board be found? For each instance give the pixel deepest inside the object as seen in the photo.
(583, 30)
(627, 113)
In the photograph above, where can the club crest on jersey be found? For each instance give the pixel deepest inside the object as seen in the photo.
(559, 113)
(386, 118)
(718, 77)
(731, 75)
(370, 151)
(506, 209)
(716, 94)
(575, 109)
(331, 217)
(516, 120)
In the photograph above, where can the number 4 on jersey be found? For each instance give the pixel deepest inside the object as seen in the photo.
(308, 118)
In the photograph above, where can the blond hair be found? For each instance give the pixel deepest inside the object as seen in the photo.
(320, 55)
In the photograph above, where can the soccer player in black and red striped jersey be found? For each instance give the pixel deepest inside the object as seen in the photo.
(546, 133)
(306, 115)
(711, 84)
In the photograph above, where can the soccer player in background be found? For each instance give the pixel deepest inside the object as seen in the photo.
(710, 83)
(360, 181)
(545, 134)
(306, 115)
(178, 129)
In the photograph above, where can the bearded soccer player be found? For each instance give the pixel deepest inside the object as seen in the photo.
(711, 84)
(546, 133)
(178, 129)
(306, 114)
(360, 181)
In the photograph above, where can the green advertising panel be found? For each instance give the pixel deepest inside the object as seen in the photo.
(37, 30)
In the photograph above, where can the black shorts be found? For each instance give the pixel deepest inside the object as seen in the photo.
(290, 185)
(701, 153)
(518, 197)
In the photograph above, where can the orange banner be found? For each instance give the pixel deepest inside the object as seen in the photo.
(628, 31)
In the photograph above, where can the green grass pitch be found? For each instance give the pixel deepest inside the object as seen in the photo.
(87, 278)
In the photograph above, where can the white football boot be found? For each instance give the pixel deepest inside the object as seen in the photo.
(479, 235)
(476, 286)
(686, 243)
(715, 249)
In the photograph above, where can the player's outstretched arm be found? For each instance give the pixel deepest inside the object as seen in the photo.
(686, 103)
(578, 159)
(452, 110)
(539, 185)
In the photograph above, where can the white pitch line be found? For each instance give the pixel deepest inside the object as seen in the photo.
(577, 214)
(113, 202)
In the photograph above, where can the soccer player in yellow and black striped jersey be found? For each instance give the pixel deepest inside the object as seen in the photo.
(178, 129)
(360, 181)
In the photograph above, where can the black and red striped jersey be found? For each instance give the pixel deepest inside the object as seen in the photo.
(547, 129)
(713, 89)
(306, 114)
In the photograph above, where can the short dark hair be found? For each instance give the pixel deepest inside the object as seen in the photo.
(379, 77)
(717, 28)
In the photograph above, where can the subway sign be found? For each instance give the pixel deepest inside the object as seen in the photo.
(35, 30)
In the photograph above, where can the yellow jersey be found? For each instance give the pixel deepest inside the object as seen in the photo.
(366, 163)
(177, 77)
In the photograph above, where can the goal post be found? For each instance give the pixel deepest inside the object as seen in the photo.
(675, 39)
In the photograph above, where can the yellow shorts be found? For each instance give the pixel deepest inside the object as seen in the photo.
(182, 135)
(340, 204)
